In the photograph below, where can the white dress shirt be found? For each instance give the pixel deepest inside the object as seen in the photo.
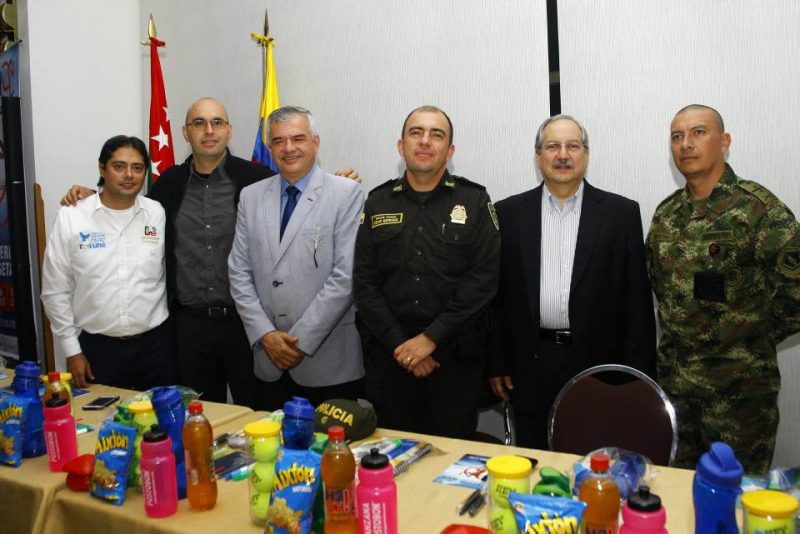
(559, 238)
(103, 272)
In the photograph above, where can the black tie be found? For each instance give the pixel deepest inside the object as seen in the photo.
(292, 191)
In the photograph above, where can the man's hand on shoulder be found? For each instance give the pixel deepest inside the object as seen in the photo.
(80, 368)
(282, 349)
(76, 193)
(351, 173)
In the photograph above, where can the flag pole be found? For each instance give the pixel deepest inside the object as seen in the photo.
(160, 147)
(269, 95)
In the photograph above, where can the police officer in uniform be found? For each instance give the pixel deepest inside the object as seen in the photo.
(724, 261)
(426, 268)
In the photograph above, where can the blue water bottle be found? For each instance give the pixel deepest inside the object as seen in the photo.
(171, 414)
(717, 484)
(297, 428)
(26, 384)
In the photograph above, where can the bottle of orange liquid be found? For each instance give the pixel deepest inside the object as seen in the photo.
(201, 485)
(338, 479)
(54, 388)
(601, 495)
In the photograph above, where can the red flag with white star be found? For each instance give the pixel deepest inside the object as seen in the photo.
(161, 155)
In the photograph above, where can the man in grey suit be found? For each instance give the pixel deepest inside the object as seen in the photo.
(291, 269)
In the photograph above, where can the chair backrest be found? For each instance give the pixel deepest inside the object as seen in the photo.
(614, 406)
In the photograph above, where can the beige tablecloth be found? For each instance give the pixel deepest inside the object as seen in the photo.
(27, 492)
(425, 507)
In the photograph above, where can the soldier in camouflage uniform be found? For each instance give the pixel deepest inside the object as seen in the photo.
(724, 260)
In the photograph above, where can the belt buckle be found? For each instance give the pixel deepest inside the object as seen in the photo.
(217, 312)
(562, 337)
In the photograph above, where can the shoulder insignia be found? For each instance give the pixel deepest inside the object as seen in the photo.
(757, 190)
(493, 215)
(393, 182)
(463, 181)
(669, 198)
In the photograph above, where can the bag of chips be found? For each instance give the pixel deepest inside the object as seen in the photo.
(13, 414)
(113, 453)
(542, 514)
(297, 477)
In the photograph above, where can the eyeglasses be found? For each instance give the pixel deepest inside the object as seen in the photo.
(571, 146)
(136, 168)
(202, 124)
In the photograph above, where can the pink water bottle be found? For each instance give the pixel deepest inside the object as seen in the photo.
(376, 495)
(60, 436)
(159, 484)
(643, 514)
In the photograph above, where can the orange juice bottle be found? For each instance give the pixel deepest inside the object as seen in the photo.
(54, 388)
(201, 485)
(338, 479)
(601, 495)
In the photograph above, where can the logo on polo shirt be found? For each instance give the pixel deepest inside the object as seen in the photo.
(90, 240)
(150, 235)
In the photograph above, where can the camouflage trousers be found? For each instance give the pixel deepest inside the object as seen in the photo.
(747, 424)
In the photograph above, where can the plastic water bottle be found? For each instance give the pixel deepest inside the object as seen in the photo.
(338, 479)
(376, 495)
(643, 514)
(159, 486)
(60, 435)
(297, 428)
(26, 384)
(198, 440)
(601, 495)
(171, 413)
(717, 484)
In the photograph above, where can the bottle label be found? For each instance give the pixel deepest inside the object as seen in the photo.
(373, 517)
(339, 502)
(589, 528)
(53, 451)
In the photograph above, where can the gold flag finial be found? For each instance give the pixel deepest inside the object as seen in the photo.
(263, 40)
(151, 31)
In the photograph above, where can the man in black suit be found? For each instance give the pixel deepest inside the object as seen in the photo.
(573, 289)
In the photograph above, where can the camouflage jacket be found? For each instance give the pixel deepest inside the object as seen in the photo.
(726, 273)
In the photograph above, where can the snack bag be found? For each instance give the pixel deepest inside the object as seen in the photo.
(113, 453)
(297, 477)
(541, 514)
(13, 414)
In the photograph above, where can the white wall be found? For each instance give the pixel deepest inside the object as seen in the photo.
(85, 86)
(360, 67)
(80, 83)
(627, 67)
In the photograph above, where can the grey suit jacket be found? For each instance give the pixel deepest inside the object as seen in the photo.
(277, 285)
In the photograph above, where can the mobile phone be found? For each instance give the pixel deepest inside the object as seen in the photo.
(228, 463)
(101, 402)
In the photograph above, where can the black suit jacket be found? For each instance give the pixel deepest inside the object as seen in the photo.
(611, 311)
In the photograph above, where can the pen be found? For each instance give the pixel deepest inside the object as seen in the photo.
(466, 503)
(479, 501)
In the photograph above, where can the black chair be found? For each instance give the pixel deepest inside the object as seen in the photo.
(614, 406)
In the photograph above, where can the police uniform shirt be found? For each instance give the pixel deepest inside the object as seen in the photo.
(425, 262)
(103, 277)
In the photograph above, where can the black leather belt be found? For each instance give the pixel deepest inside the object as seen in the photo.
(560, 337)
(214, 312)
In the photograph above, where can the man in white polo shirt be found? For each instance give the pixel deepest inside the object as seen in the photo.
(103, 284)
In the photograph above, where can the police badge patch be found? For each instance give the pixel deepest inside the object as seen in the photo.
(459, 214)
(789, 262)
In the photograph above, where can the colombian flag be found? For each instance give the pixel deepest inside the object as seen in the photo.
(269, 103)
